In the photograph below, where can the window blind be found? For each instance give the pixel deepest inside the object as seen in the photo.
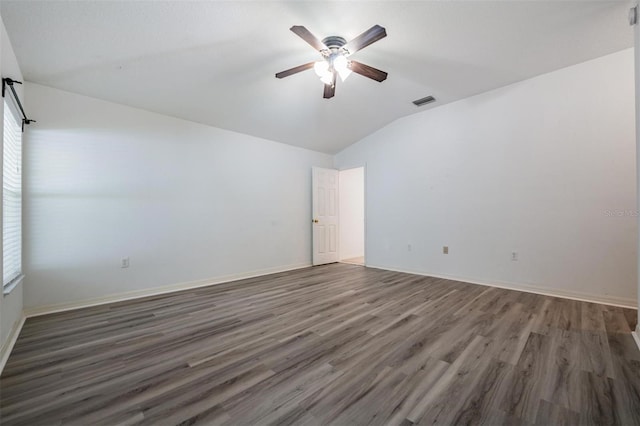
(11, 197)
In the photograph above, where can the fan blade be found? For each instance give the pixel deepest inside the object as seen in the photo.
(367, 71)
(306, 35)
(294, 70)
(372, 35)
(330, 89)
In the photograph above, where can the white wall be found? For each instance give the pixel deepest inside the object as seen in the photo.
(544, 167)
(636, 38)
(11, 304)
(183, 201)
(351, 213)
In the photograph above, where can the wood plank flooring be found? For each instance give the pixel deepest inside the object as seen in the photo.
(335, 344)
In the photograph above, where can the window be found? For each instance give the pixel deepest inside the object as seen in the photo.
(11, 198)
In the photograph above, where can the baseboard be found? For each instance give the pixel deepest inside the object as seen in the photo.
(49, 309)
(545, 291)
(6, 349)
(120, 297)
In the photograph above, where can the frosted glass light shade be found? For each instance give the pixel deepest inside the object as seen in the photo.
(341, 65)
(321, 68)
(327, 78)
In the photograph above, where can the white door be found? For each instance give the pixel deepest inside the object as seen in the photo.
(325, 215)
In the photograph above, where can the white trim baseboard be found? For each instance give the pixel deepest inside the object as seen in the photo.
(130, 295)
(6, 349)
(545, 291)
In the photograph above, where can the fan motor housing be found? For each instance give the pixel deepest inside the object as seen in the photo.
(334, 42)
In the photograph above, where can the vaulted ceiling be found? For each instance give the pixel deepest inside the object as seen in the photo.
(214, 62)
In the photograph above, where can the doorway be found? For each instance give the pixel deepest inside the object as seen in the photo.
(351, 208)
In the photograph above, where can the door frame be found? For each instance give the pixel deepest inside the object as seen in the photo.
(364, 167)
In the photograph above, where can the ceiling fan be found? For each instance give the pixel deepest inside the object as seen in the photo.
(335, 52)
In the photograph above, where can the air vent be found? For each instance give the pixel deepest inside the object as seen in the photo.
(424, 101)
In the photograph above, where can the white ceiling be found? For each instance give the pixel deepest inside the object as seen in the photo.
(214, 62)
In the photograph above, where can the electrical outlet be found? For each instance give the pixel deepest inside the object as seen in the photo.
(445, 249)
(124, 262)
(514, 256)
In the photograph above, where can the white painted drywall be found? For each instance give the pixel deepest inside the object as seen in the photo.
(351, 213)
(10, 304)
(545, 167)
(183, 201)
(636, 38)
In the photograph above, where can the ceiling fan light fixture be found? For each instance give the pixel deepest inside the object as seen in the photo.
(344, 73)
(321, 68)
(335, 52)
(341, 65)
(327, 78)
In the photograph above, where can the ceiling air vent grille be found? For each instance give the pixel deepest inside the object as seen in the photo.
(424, 101)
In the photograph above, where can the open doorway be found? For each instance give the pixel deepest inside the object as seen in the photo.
(351, 206)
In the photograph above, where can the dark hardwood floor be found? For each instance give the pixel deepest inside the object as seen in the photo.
(335, 344)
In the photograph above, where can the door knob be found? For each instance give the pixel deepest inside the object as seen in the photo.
(315, 221)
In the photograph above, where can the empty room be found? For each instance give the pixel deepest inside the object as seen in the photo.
(319, 213)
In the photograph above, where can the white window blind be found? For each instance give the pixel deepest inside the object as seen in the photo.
(11, 197)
